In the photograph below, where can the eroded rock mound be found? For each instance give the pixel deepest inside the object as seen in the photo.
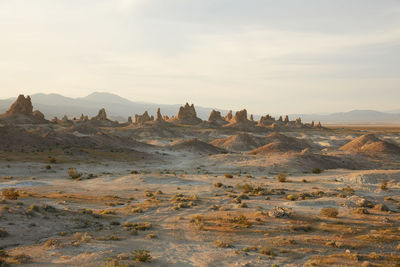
(239, 142)
(279, 143)
(195, 145)
(229, 116)
(369, 143)
(216, 118)
(187, 115)
(159, 117)
(38, 114)
(21, 106)
(141, 119)
(101, 116)
(240, 117)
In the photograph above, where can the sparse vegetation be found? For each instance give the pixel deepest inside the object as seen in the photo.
(73, 173)
(223, 244)
(228, 175)
(10, 193)
(141, 255)
(282, 177)
(329, 212)
(316, 171)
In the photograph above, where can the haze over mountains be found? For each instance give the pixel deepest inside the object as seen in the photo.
(120, 108)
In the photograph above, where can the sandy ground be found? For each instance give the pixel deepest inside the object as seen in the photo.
(185, 209)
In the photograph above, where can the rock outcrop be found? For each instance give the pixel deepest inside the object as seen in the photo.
(21, 106)
(216, 118)
(101, 116)
(240, 117)
(38, 114)
(229, 116)
(187, 115)
(84, 118)
(141, 119)
(159, 117)
(266, 120)
(129, 119)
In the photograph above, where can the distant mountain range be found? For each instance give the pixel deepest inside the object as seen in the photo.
(119, 108)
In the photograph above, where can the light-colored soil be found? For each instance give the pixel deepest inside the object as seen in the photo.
(197, 205)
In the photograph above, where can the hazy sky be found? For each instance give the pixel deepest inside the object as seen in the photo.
(268, 56)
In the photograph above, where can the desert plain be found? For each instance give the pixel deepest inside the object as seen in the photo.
(182, 191)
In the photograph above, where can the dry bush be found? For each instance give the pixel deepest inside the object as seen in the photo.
(22, 258)
(141, 255)
(228, 175)
(10, 193)
(73, 173)
(316, 171)
(223, 244)
(198, 221)
(329, 212)
(267, 251)
(3, 233)
(282, 177)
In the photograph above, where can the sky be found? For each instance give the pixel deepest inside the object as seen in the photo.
(314, 56)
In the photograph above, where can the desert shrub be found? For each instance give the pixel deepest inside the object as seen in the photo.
(291, 197)
(82, 237)
(246, 188)
(73, 173)
(48, 167)
(22, 258)
(138, 226)
(361, 211)
(282, 177)
(10, 193)
(222, 244)
(218, 184)
(384, 186)
(3, 232)
(141, 255)
(241, 220)
(228, 175)
(198, 222)
(316, 171)
(52, 160)
(329, 212)
(267, 251)
(151, 236)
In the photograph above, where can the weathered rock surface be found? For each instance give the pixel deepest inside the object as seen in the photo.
(141, 119)
(38, 114)
(21, 106)
(187, 115)
(101, 116)
(216, 118)
(229, 116)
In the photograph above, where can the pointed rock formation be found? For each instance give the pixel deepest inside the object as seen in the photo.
(129, 119)
(84, 118)
(187, 115)
(266, 120)
(286, 119)
(229, 116)
(216, 118)
(141, 119)
(21, 106)
(240, 116)
(159, 117)
(251, 117)
(101, 116)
